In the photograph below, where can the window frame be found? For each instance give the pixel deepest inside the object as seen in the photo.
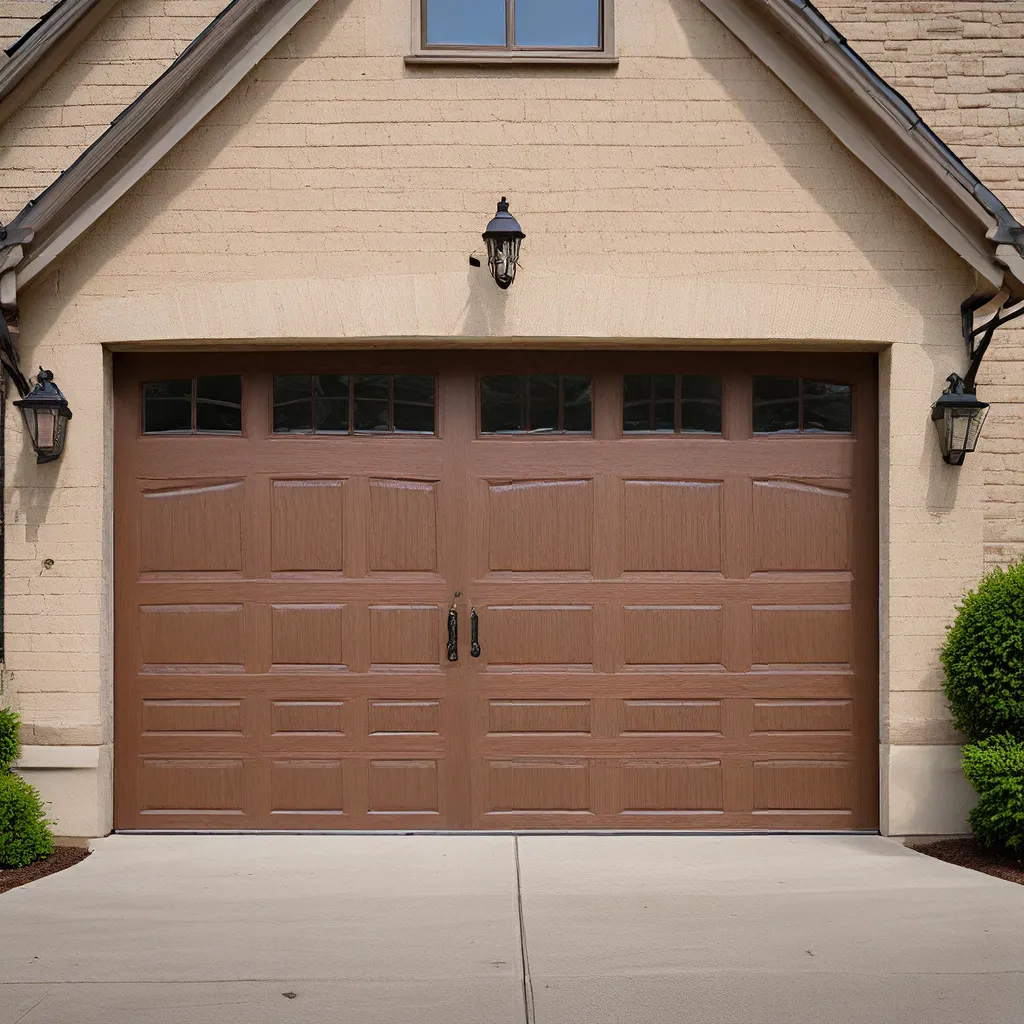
(510, 53)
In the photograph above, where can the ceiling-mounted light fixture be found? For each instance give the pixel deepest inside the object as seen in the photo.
(503, 237)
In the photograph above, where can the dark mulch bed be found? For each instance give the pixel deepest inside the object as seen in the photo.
(969, 854)
(61, 858)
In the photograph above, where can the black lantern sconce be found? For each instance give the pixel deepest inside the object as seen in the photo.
(958, 414)
(503, 237)
(958, 417)
(46, 414)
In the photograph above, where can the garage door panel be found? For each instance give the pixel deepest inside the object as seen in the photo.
(403, 526)
(192, 637)
(406, 786)
(803, 716)
(550, 786)
(801, 526)
(669, 718)
(809, 786)
(671, 786)
(185, 786)
(540, 525)
(673, 635)
(191, 527)
(219, 717)
(308, 525)
(814, 635)
(527, 636)
(672, 526)
(310, 635)
(309, 718)
(539, 717)
(405, 636)
(303, 786)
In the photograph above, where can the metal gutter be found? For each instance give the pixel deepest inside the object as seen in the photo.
(44, 47)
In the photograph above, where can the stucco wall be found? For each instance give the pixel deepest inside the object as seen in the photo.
(685, 198)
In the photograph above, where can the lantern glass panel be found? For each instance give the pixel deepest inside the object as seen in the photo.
(46, 428)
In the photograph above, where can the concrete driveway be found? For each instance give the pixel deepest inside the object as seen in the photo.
(495, 930)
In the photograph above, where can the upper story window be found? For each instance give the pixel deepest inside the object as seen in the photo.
(510, 30)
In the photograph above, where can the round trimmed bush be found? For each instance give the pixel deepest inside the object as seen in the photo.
(984, 657)
(25, 834)
(995, 768)
(10, 749)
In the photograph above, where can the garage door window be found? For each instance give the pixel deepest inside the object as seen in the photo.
(542, 403)
(797, 405)
(354, 403)
(671, 403)
(196, 405)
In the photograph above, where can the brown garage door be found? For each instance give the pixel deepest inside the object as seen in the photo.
(668, 562)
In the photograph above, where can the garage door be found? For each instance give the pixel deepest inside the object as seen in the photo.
(495, 591)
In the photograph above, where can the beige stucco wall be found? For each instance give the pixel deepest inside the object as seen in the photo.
(684, 199)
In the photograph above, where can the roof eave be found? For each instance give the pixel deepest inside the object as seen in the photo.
(46, 46)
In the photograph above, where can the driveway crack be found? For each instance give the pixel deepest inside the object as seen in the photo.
(528, 1004)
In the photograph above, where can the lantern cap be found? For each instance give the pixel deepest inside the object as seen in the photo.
(503, 224)
(956, 397)
(45, 395)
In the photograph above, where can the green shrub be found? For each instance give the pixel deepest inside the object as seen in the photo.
(25, 834)
(984, 657)
(10, 749)
(995, 768)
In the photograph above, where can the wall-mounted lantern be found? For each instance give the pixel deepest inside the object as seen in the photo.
(958, 417)
(503, 237)
(46, 414)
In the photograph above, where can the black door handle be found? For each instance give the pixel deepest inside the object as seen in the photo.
(453, 631)
(474, 634)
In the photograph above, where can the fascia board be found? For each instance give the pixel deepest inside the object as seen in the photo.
(44, 48)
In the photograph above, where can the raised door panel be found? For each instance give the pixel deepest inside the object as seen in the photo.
(192, 786)
(307, 718)
(803, 716)
(666, 786)
(184, 717)
(407, 636)
(404, 786)
(306, 786)
(403, 526)
(539, 717)
(538, 786)
(540, 526)
(802, 786)
(672, 525)
(308, 526)
(796, 635)
(542, 636)
(307, 635)
(677, 636)
(800, 526)
(404, 717)
(195, 527)
(191, 638)
(670, 717)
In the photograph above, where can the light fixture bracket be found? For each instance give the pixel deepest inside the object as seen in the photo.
(978, 338)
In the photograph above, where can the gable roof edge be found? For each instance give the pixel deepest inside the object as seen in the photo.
(149, 127)
(44, 47)
(882, 130)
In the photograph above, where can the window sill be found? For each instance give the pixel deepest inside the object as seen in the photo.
(564, 58)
